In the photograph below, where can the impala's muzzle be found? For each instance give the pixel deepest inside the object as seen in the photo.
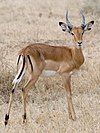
(80, 43)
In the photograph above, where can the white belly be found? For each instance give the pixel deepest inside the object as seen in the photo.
(48, 73)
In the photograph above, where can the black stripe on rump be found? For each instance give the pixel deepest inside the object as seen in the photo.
(18, 59)
(30, 62)
(22, 68)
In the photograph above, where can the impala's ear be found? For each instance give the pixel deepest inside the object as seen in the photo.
(65, 27)
(88, 26)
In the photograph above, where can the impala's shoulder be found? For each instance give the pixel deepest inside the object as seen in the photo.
(66, 49)
(72, 49)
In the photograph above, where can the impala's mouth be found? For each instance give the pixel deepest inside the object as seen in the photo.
(79, 45)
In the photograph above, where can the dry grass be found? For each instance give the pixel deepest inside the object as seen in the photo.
(23, 22)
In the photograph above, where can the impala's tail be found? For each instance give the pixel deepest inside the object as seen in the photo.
(21, 70)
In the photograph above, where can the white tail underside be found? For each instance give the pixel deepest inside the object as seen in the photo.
(19, 79)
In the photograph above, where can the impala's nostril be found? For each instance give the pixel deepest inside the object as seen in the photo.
(79, 42)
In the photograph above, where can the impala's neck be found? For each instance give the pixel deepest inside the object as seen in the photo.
(78, 57)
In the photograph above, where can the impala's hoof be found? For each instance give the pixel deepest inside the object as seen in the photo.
(24, 118)
(72, 117)
(6, 119)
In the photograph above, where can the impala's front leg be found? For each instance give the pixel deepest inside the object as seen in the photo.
(67, 83)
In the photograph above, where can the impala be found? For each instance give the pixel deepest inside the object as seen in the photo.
(41, 59)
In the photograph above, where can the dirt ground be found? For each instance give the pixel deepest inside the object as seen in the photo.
(27, 21)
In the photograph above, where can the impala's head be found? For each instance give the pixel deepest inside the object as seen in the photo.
(76, 32)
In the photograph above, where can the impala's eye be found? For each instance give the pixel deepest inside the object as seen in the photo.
(82, 33)
(72, 33)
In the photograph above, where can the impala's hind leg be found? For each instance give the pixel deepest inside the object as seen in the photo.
(10, 103)
(37, 66)
(25, 90)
